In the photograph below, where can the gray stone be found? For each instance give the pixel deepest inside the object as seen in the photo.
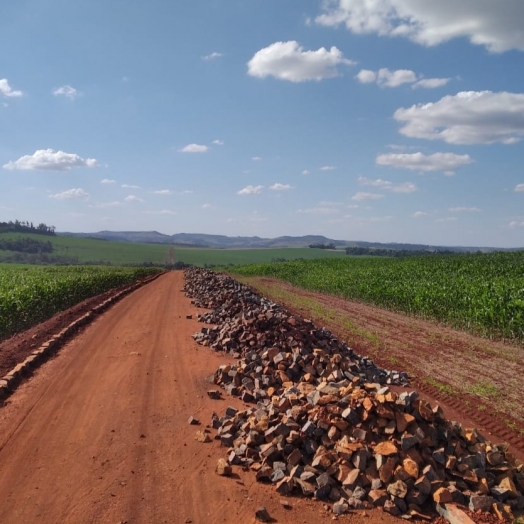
(214, 394)
(262, 515)
(398, 489)
(481, 502)
(231, 412)
(323, 492)
(227, 440)
(376, 484)
(378, 497)
(391, 508)
(340, 507)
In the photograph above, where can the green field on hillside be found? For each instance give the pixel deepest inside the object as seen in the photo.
(88, 250)
(482, 293)
(223, 257)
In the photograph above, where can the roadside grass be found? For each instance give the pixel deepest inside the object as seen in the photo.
(445, 388)
(484, 390)
(515, 427)
(512, 355)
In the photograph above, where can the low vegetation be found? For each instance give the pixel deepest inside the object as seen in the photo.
(478, 292)
(29, 295)
(322, 246)
(25, 245)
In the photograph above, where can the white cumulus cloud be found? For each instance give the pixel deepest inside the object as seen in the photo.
(251, 190)
(194, 148)
(163, 192)
(50, 160)
(519, 188)
(420, 162)
(484, 22)
(212, 56)
(405, 187)
(306, 172)
(218, 142)
(7, 91)
(469, 117)
(361, 195)
(67, 91)
(280, 187)
(130, 186)
(431, 83)
(420, 214)
(70, 194)
(328, 168)
(386, 78)
(256, 158)
(290, 61)
(365, 76)
(107, 181)
(133, 198)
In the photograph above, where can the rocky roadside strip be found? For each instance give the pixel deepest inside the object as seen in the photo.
(326, 424)
(10, 381)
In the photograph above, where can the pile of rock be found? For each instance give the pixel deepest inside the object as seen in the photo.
(362, 444)
(275, 347)
(326, 425)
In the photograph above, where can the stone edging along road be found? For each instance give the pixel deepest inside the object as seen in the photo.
(12, 380)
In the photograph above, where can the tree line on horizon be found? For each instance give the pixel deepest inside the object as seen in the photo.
(27, 227)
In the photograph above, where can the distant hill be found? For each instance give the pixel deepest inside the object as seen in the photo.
(225, 242)
(212, 241)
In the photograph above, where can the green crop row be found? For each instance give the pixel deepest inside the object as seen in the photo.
(483, 293)
(31, 294)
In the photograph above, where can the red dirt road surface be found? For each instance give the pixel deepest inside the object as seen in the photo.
(100, 434)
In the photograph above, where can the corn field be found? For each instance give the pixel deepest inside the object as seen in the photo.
(483, 293)
(31, 294)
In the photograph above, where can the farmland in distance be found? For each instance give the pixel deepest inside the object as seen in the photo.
(95, 251)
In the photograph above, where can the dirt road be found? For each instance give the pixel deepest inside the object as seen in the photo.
(101, 434)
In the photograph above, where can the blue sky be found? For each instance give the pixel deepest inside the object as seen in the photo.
(396, 120)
